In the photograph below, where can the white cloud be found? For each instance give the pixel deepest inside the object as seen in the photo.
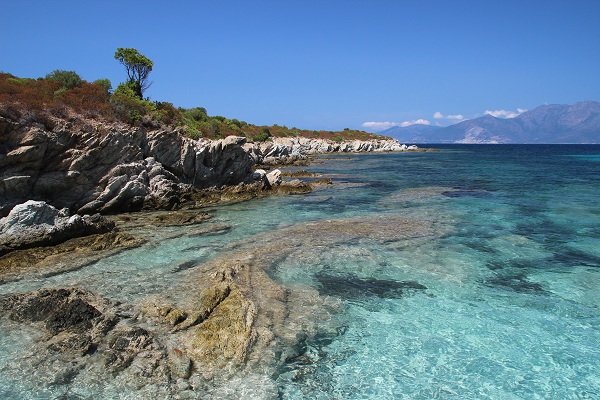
(505, 113)
(452, 117)
(382, 125)
(379, 126)
(419, 121)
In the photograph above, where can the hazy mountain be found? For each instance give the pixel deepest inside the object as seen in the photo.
(556, 123)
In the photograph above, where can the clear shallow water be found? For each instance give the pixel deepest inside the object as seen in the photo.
(505, 304)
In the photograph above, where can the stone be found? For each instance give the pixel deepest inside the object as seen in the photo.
(124, 345)
(274, 177)
(96, 166)
(37, 223)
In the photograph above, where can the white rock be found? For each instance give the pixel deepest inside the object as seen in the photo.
(274, 177)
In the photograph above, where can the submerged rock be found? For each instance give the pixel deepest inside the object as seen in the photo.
(466, 193)
(351, 286)
(67, 256)
(515, 282)
(88, 342)
(72, 310)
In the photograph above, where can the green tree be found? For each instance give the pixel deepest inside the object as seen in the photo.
(138, 68)
(66, 79)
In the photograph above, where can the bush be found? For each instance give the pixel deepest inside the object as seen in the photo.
(127, 106)
(104, 84)
(89, 98)
(237, 123)
(197, 114)
(262, 136)
(66, 79)
(165, 113)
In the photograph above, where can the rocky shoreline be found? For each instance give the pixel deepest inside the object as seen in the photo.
(91, 166)
(66, 190)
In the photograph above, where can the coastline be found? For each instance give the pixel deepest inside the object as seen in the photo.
(145, 182)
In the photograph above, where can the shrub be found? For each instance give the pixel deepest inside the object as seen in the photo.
(127, 106)
(262, 136)
(197, 114)
(237, 123)
(66, 79)
(104, 84)
(89, 98)
(166, 113)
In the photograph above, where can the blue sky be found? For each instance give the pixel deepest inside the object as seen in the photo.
(323, 64)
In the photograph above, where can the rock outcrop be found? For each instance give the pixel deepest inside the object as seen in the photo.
(36, 223)
(91, 166)
(287, 150)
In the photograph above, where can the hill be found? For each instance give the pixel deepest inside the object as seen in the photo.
(64, 91)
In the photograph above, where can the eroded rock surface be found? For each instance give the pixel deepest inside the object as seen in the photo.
(93, 166)
(88, 341)
(67, 256)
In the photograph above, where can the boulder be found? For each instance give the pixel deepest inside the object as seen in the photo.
(274, 177)
(36, 223)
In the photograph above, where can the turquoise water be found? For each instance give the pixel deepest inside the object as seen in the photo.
(500, 300)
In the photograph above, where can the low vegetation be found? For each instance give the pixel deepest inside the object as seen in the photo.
(62, 93)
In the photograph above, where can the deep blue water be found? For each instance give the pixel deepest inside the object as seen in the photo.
(500, 301)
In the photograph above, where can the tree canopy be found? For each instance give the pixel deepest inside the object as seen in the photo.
(138, 68)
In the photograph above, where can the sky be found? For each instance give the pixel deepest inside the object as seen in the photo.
(323, 64)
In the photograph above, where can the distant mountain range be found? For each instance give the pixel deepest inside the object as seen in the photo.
(555, 123)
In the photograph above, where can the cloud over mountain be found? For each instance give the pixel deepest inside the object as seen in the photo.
(382, 125)
(556, 123)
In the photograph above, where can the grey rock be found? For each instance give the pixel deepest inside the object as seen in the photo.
(36, 223)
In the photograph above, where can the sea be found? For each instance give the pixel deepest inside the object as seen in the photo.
(469, 272)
